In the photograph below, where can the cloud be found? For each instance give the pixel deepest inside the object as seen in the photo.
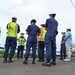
(31, 8)
(16, 1)
(2, 8)
(9, 4)
(25, 10)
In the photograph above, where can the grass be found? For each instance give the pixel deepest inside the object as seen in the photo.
(2, 54)
(15, 55)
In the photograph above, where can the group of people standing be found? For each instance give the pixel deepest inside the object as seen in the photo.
(46, 36)
(66, 45)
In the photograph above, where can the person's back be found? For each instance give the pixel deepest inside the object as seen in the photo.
(51, 25)
(50, 40)
(11, 39)
(12, 29)
(32, 31)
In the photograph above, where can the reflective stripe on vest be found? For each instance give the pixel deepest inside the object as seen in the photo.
(21, 41)
(12, 29)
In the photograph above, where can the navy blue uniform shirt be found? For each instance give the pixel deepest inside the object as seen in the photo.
(51, 25)
(63, 40)
(33, 30)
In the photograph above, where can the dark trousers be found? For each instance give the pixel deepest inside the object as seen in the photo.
(20, 52)
(63, 51)
(41, 50)
(50, 45)
(10, 44)
(30, 45)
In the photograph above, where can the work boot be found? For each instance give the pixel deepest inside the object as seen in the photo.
(39, 60)
(60, 58)
(10, 60)
(25, 61)
(42, 59)
(53, 62)
(47, 63)
(5, 60)
(17, 57)
(21, 57)
(64, 57)
(33, 61)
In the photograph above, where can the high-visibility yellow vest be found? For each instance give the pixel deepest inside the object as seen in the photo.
(44, 33)
(12, 29)
(21, 41)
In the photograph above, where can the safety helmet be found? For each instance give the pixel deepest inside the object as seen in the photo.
(63, 32)
(52, 12)
(68, 28)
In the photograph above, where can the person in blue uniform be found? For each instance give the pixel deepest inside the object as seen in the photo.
(62, 48)
(32, 30)
(11, 40)
(50, 40)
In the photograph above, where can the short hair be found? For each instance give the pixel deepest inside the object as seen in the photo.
(43, 25)
(53, 15)
(14, 18)
(69, 29)
(33, 21)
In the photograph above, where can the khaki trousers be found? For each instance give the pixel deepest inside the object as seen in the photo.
(68, 50)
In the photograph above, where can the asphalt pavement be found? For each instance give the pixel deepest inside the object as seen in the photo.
(17, 68)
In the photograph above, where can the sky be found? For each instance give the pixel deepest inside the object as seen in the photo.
(25, 10)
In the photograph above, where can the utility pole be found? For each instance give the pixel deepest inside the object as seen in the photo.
(72, 3)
